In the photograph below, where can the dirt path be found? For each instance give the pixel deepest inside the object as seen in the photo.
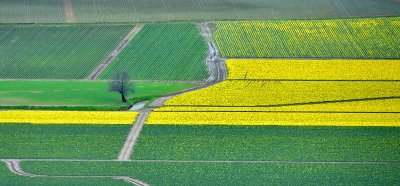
(14, 167)
(69, 12)
(217, 73)
(110, 58)
(215, 63)
(133, 136)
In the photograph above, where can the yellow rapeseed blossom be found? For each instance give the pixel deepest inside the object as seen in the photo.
(67, 117)
(252, 95)
(383, 105)
(266, 93)
(313, 69)
(275, 118)
(372, 38)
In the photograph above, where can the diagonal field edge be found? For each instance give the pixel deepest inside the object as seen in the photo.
(114, 53)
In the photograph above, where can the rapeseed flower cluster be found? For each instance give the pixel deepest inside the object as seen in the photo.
(67, 117)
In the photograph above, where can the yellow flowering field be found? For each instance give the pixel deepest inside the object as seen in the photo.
(383, 105)
(275, 118)
(257, 101)
(372, 38)
(293, 69)
(67, 117)
(267, 93)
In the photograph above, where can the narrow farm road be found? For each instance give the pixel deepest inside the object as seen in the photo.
(215, 63)
(217, 73)
(133, 136)
(14, 166)
(68, 11)
(110, 58)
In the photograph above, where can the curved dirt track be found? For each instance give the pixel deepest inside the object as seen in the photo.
(14, 167)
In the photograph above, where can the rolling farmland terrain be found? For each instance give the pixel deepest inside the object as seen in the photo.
(9, 178)
(255, 92)
(56, 52)
(165, 47)
(163, 10)
(204, 173)
(338, 38)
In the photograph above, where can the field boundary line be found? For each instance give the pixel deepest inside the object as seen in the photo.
(14, 166)
(314, 58)
(215, 161)
(114, 53)
(69, 11)
(127, 149)
(264, 161)
(318, 80)
(281, 111)
(298, 103)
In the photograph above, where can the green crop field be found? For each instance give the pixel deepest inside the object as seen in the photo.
(22, 11)
(9, 178)
(338, 38)
(163, 52)
(56, 52)
(225, 173)
(62, 141)
(81, 95)
(156, 10)
(172, 142)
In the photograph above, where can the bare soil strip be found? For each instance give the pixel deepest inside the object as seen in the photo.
(14, 166)
(133, 136)
(110, 58)
(69, 12)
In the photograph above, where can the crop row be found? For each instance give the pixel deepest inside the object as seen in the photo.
(281, 143)
(338, 38)
(272, 93)
(163, 52)
(62, 141)
(67, 117)
(294, 69)
(275, 118)
(56, 52)
(162, 10)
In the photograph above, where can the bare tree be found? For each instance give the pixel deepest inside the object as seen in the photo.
(121, 84)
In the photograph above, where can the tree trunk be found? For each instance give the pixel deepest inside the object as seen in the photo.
(123, 98)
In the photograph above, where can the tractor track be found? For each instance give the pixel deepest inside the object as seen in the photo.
(14, 166)
(68, 11)
(217, 73)
(114, 53)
